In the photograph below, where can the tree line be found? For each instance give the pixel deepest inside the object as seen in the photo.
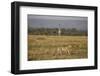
(54, 31)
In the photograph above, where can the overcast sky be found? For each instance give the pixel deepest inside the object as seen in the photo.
(47, 21)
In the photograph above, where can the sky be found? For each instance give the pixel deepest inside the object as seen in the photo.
(50, 21)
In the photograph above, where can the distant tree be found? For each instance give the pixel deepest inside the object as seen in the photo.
(54, 31)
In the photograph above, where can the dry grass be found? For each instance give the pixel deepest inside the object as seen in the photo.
(56, 47)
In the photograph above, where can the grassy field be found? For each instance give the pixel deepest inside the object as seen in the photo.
(41, 47)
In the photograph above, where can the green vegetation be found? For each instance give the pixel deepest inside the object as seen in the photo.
(54, 31)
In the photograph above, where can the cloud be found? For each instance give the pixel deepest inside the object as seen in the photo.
(47, 21)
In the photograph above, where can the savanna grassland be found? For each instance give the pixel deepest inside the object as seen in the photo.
(46, 47)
